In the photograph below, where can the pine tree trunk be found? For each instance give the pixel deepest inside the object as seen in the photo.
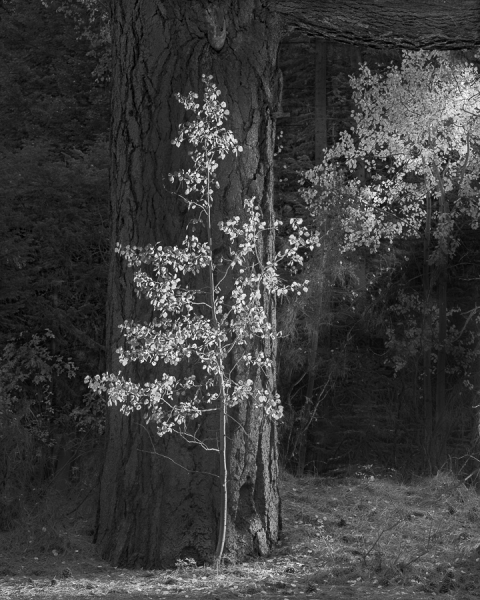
(160, 498)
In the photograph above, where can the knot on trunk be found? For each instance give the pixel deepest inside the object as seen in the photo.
(216, 26)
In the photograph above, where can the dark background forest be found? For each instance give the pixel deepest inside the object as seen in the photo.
(346, 402)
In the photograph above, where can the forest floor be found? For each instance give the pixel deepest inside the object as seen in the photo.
(364, 536)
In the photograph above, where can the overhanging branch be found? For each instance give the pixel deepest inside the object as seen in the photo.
(410, 24)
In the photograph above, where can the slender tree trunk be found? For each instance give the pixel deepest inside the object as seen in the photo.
(305, 419)
(360, 173)
(320, 147)
(427, 335)
(441, 426)
(160, 498)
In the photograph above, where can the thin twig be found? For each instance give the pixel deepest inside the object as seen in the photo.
(369, 551)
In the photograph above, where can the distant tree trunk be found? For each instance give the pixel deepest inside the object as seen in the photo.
(441, 425)
(321, 129)
(360, 173)
(320, 147)
(440, 431)
(160, 498)
(427, 334)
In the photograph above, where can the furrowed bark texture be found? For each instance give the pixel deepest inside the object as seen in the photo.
(159, 498)
(411, 24)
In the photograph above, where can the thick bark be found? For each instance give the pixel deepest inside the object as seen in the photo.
(160, 498)
(411, 24)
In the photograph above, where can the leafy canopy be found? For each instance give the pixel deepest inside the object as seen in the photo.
(416, 133)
